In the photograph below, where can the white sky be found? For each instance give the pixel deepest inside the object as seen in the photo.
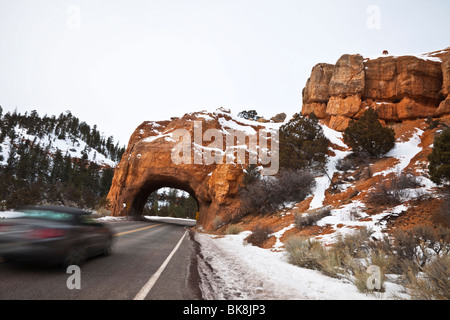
(117, 63)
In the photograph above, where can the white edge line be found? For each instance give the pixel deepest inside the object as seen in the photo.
(151, 282)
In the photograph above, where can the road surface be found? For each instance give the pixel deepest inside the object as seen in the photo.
(141, 252)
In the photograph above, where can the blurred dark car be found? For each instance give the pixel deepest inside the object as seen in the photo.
(53, 235)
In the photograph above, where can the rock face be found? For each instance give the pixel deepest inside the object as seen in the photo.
(150, 163)
(399, 88)
(444, 106)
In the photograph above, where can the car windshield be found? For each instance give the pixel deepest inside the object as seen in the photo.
(48, 215)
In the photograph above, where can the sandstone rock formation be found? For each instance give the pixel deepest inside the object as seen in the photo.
(279, 117)
(399, 88)
(148, 164)
(444, 106)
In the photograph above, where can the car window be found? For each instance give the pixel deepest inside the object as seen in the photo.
(85, 219)
(48, 215)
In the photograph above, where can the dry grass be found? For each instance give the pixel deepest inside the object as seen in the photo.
(433, 283)
(233, 229)
(421, 255)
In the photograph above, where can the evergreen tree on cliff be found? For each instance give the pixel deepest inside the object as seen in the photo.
(367, 136)
(303, 143)
(439, 158)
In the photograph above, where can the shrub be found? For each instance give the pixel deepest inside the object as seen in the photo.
(233, 229)
(434, 284)
(393, 191)
(344, 164)
(368, 136)
(311, 254)
(422, 248)
(270, 194)
(303, 144)
(305, 253)
(383, 194)
(443, 215)
(439, 167)
(249, 115)
(355, 245)
(252, 175)
(295, 185)
(260, 233)
(432, 123)
(419, 244)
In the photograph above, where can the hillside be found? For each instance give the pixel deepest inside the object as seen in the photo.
(54, 160)
(350, 186)
(363, 211)
(344, 217)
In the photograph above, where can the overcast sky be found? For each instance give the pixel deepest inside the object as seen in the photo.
(116, 63)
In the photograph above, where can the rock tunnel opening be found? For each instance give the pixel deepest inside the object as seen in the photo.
(156, 183)
(171, 202)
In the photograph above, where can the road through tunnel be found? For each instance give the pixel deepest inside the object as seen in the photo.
(166, 200)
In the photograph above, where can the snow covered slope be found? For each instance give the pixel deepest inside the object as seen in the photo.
(75, 148)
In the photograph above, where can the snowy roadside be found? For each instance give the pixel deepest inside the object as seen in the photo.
(182, 221)
(231, 269)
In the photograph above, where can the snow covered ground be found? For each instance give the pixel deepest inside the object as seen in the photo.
(230, 269)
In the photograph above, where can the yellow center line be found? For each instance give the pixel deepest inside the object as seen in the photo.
(136, 230)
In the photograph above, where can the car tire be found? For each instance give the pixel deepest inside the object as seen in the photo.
(75, 256)
(108, 247)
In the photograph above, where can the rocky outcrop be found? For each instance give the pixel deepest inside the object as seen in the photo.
(151, 162)
(444, 106)
(399, 88)
(348, 76)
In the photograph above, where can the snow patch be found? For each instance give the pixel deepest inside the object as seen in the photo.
(323, 182)
(404, 152)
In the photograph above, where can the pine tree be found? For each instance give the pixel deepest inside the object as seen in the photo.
(23, 170)
(439, 167)
(249, 115)
(106, 181)
(12, 161)
(303, 143)
(57, 172)
(367, 136)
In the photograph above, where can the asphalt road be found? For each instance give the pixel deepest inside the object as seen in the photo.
(140, 249)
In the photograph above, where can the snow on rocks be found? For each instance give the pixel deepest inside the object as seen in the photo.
(404, 152)
(323, 182)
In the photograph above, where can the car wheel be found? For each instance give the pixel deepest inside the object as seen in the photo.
(75, 256)
(108, 247)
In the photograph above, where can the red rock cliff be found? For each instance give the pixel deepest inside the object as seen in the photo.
(399, 88)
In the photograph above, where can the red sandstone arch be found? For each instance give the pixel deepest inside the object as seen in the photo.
(147, 166)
